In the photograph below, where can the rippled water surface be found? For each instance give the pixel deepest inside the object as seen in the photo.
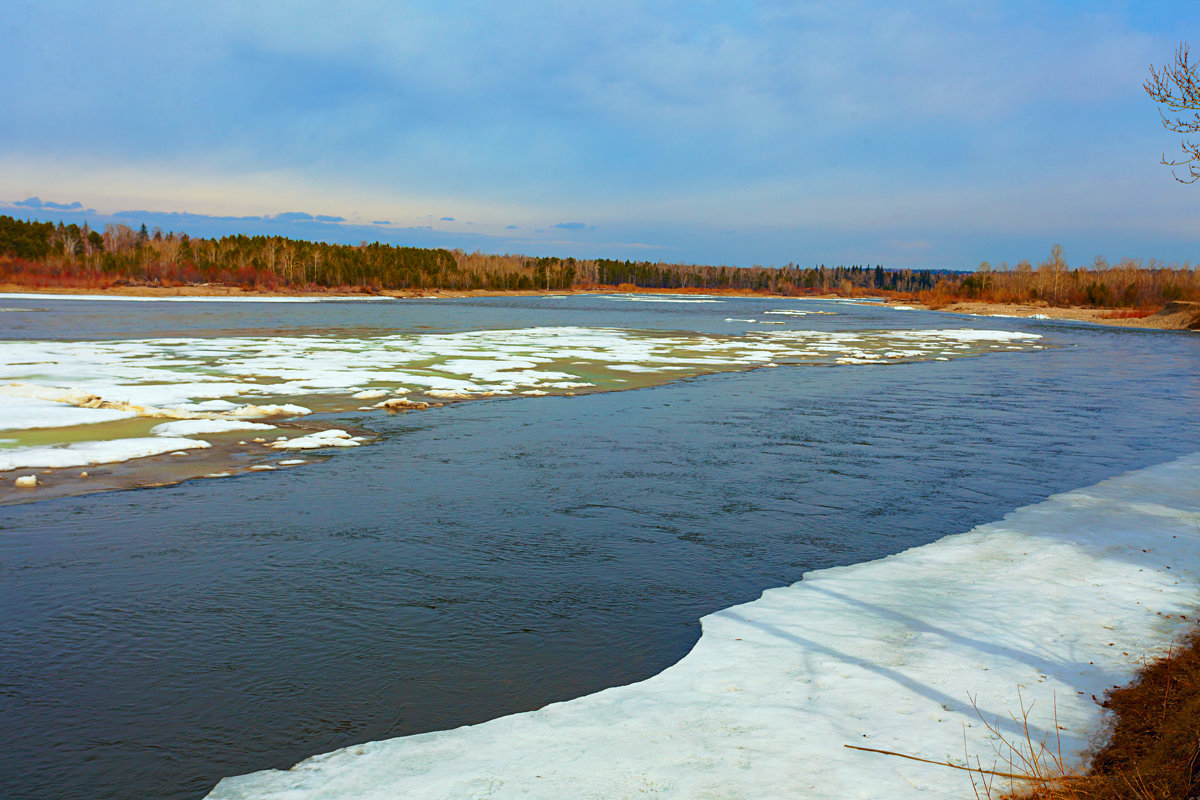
(496, 555)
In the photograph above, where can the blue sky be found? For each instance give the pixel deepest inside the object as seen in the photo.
(935, 133)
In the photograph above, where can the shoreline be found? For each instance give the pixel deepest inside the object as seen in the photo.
(1176, 316)
(223, 292)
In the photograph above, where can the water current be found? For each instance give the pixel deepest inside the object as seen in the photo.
(492, 556)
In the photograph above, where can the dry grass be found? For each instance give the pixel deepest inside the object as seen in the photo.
(1130, 313)
(1153, 752)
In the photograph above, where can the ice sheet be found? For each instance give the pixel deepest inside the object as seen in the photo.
(196, 377)
(1059, 600)
(64, 384)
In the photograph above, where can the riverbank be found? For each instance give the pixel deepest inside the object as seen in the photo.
(1175, 316)
(1151, 752)
(928, 652)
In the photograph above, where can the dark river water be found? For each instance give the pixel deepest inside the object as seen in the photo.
(494, 556)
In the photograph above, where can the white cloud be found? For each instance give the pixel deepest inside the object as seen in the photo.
(849, 114)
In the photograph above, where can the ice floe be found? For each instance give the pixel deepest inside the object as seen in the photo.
(656, 298)
(194, 427)
(792, 312)
(1058, 601)
(82, 454)
(330, 438)
(23, 413)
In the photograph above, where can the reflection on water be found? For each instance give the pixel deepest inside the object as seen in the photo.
(491, 557)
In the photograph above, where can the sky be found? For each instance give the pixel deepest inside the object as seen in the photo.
(938, 133)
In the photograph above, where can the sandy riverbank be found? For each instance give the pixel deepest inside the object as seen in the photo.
(1175, 317)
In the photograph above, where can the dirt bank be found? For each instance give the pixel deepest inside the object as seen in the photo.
(1176, 316)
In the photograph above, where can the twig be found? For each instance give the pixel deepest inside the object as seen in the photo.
(1010, 775)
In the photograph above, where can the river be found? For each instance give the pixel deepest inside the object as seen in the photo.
(495, 555)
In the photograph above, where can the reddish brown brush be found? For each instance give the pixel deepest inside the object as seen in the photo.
(1130, 313)
(1152, 754)
(1154, 750)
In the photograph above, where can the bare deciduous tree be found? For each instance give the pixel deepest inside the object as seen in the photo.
(1054, 266)
(1177, 87)
(119, 238)
(69, 243)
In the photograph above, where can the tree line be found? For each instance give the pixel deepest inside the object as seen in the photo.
(45, 254)
(1130, 283)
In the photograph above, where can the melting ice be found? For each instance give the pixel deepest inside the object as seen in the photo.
(95, 393)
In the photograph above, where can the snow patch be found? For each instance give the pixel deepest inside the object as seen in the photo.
(250, 410)
(82, 454)
(330, 438)
(192, 427)
(24, 413)
(647, 298)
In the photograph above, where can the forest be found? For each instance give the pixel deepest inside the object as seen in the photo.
(49, 255)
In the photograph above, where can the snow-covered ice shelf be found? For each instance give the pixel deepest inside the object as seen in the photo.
(61, 400)
(149, 376)
(1059, 600)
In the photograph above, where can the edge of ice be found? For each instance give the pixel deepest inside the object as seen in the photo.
(1057, 601)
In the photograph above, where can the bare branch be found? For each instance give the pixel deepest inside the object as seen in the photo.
(1177, 87)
